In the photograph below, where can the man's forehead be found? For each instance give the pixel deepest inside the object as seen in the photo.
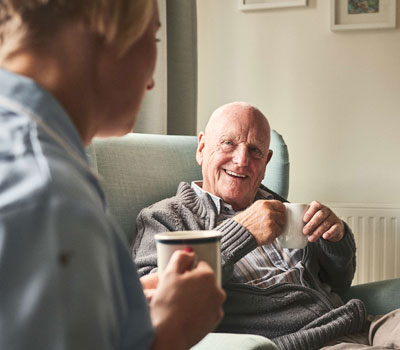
(240, 114)
(252, 136)
(241, 126)
(238, 119)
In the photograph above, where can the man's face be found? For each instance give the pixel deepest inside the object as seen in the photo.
(233, 154)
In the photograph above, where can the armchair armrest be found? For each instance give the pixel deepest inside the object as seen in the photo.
(379, 297)
(235, 342)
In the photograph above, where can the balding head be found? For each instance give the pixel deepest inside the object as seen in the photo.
(238, 112)
(233, 153)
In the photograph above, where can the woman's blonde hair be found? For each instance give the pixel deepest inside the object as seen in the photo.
(118, 21)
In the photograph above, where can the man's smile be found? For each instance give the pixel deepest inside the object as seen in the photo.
(231, 173)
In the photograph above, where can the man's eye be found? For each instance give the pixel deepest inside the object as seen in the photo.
(256, 152)
(227, 145)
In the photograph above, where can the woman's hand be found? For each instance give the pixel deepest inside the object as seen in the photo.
(149, 284)
(187, 303)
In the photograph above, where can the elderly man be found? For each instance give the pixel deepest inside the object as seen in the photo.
(288, 295)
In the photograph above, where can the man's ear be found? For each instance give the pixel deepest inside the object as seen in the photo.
(269, 156)
(200, 147)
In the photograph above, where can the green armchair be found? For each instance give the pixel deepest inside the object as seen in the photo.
(140, 169)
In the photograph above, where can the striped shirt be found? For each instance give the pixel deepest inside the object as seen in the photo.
(266, 265)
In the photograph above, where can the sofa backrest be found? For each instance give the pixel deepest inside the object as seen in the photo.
(137, 170)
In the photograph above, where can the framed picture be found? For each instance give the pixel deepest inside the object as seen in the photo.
(250, 5)
(362, 14)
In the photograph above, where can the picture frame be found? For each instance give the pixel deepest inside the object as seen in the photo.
(251, 5)
(372, 14)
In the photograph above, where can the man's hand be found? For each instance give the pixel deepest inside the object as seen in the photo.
(187, 303)
(322, 221)
(264, 219)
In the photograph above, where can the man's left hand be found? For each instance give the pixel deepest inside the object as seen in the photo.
(322, 221)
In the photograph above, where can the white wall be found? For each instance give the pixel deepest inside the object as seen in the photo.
(335, 97)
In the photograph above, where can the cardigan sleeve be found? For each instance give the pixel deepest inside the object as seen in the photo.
(144, 249)
(337, 261)
(168, 215)
(236, 242)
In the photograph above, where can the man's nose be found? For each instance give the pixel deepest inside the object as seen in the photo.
(241, 156)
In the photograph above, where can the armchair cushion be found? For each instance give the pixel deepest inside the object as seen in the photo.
(235, 342)
(379, 297)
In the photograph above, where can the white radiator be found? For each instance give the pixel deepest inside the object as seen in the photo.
(377, 233)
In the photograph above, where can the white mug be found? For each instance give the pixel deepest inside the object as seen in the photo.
(292, 236)
(206, 245)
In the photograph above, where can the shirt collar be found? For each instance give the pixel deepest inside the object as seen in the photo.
(218, 202)
(196, 186)
(31, 96)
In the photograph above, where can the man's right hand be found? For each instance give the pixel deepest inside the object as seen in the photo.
(264, 219)
(187, 303)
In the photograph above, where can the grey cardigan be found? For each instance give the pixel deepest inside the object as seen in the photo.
(293, 316)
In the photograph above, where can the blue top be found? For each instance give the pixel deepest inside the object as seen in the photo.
(67, 280)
